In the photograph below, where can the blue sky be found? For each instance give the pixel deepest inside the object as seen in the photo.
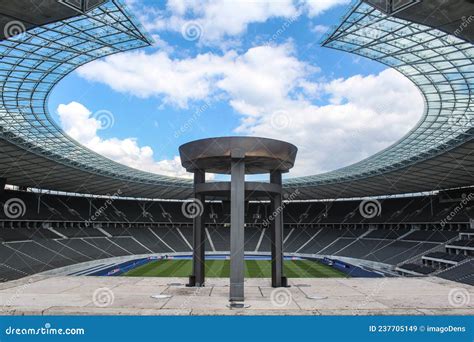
(336, 107)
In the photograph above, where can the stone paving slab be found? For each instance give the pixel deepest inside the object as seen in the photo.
(58, 295)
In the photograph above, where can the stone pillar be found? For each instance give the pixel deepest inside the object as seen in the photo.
(3, 181)
(199, 241)
(237, 215)
(276, 233)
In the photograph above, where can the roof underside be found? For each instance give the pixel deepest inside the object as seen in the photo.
(449, 16)
(436, 154)
(25, 15)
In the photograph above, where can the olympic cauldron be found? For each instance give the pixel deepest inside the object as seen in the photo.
(238, 156)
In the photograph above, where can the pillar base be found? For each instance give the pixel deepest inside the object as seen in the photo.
(193, 283)
(237, 299)
(242, 305)
(236, 293)
(283, 282)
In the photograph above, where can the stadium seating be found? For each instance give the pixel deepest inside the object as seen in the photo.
(397, 214)
(418, 269)
(57, 230)
(462, 273)
(431, 235)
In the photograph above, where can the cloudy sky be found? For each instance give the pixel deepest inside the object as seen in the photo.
(223, 67)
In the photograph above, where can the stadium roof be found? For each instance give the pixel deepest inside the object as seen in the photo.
(30, 14)
(436, 154)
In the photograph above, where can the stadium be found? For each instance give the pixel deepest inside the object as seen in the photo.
(390, 234)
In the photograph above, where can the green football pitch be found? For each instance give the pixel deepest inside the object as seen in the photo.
(221, 269)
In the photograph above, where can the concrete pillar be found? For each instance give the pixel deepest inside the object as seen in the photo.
(276, 233)
(3, 181)
(199, 237)
(237, 214)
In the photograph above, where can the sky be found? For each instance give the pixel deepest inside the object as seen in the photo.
(236, 67)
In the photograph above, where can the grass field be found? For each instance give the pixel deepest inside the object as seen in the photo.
(221, 268)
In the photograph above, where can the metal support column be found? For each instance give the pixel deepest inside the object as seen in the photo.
(278, 280)
(237, 213)
(199, 242)
(3, 181)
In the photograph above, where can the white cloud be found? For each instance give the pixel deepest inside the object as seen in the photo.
(230, 18)
(145, 75)
(218, 18)
(78, 122)
(221, 20)
(319, 29)
(262, 75)
(365, 113)
(316, 7)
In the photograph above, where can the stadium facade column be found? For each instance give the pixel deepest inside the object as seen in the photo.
(276, 233)
(237, 216)
(199, 242)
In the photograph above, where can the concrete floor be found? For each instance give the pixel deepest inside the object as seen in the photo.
(41, 295)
